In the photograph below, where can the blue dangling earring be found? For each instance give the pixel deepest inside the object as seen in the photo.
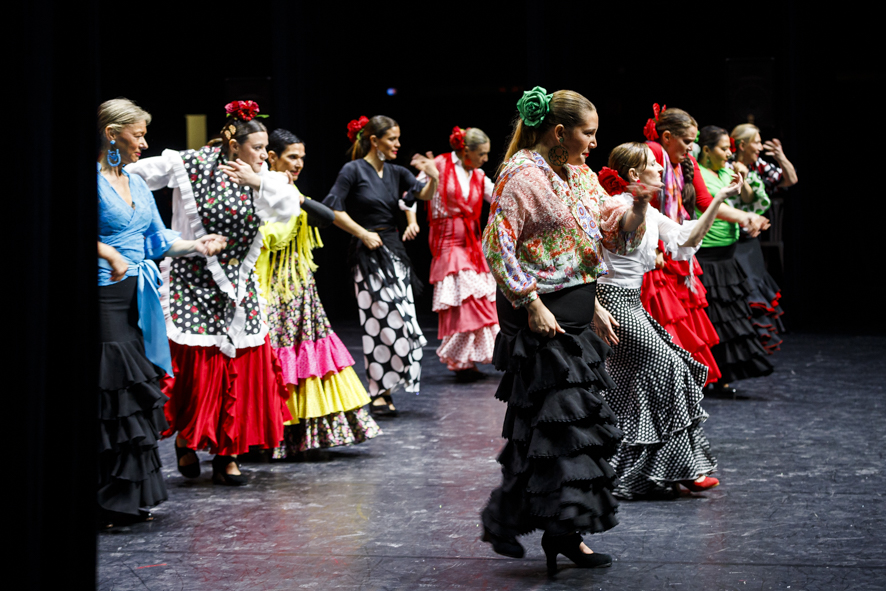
(113, 156)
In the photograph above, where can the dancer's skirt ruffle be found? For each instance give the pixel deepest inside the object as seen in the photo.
(739, 354)
(680, 309)
(224, 404)
(560, 433)
(131, 418)
(764, 294)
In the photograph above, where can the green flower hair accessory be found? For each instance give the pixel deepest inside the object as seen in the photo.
(534, 105)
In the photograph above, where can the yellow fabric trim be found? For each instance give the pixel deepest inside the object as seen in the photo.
(319, 397)
(286, 246)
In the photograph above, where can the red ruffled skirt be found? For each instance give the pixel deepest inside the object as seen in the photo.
(224, 404)
(680, 310)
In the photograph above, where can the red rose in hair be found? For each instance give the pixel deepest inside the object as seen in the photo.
(457, 139)
(243, 110)
(656, 110)
(649, 130)
(355, 126)
(612, 182)
(732, 145)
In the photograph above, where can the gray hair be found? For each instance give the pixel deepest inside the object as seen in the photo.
(118, 113)
(474, 138)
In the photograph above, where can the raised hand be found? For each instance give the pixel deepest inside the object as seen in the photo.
(426, 165)
(241, 173)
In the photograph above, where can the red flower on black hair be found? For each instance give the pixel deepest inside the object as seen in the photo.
(243, 110)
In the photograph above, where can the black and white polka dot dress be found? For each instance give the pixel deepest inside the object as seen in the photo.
(657, 400)
(392, 339)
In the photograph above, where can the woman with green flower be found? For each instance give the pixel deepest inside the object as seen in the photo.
(544, 244)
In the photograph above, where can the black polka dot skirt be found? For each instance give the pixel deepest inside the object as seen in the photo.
(392, 338)
(657, 399)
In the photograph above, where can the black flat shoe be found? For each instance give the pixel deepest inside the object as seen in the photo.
(505, 546)
(220, 474)
(191, 470)
(383, 410)
(570, 547)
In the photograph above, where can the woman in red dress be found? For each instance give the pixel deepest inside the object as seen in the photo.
(464, 289)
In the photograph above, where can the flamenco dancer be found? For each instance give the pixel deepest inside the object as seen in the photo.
(228, 393)
(762, 179)
(543, 245)
(739, 354)
(326, 398)
(658, 384)
(132, 334)
(464, 289)
(672, 293)
(366, 198)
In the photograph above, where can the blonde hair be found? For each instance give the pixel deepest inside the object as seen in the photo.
(744, 133)
(627, 156)
(118, 113)
(474, 138)
(567, 108)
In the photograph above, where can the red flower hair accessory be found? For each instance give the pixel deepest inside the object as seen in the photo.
(649, 129)
(457, 138)
(355, 128)
(732, 144)
(612, 182)
(243, 110)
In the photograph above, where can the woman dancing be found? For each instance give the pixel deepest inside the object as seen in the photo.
(673, 293)
(658, 385)
(326, 398)
(227, 395)
(762, 179)
(366, 198)
(132, 334)
(543, 244)
(464, 289)
(739, 354)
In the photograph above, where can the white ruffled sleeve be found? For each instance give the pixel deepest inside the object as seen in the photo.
(277, 199)
(674, 234)
(157, 171)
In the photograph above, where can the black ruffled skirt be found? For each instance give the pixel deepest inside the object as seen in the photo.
(130, 407)
(764, 295)
(739, 354)
(560, 431)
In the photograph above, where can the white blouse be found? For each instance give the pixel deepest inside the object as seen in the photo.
(627, 270)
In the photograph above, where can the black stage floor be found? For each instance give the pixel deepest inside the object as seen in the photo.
(801, 504)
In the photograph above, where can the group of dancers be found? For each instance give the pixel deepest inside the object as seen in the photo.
(609, 301)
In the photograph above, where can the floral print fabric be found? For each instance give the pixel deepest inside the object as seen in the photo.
(544, 233)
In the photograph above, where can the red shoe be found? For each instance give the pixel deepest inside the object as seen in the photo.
(696, 486)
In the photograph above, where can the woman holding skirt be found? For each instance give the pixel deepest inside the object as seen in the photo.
(326, 398)
(544, 247)
(658, 384)
(366, 200)
(134, 350)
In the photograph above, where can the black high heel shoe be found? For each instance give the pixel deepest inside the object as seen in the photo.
(504, 546)
(570, 547)
(220, 474)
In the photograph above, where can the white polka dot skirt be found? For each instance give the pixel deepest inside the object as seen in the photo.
(657, 399)
(392, 338)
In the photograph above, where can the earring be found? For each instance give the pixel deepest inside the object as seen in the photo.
(113, 156)
(380, 155)
(558, 155)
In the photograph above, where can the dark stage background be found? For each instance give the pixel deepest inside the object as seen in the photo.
(807, 76)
